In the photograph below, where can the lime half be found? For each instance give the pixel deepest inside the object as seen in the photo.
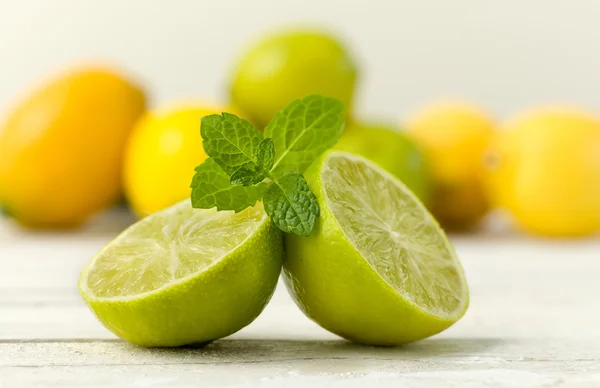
(378, 269)
(184, 275)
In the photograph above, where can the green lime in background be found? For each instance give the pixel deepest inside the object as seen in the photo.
(392, 150)
(290, 65)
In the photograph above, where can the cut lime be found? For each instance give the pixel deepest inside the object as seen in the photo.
(392, 150)
(378, 269)
(184, 275)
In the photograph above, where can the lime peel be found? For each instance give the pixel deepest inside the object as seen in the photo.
(191, 305)
(354, 278)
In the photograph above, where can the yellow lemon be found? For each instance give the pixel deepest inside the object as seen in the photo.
(544, 168)
(454, 137)
(292, 65)
(163, 151)
(61, 147)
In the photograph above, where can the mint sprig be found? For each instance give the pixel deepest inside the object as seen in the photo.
(303, 130)
(266, 154)
(231, 141)
(245, 166)
(291, 205)
(211, 187)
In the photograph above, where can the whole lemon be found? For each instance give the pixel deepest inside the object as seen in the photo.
(61, 147)
(292, 65)
(392, 150)
(544, 168)
(163, 151)
(454, 137)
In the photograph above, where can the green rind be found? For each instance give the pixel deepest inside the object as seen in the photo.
(212, 304)
(393, 151)
(336, 287)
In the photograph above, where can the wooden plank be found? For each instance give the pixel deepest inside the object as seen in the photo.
(48, 265)
(309, 373)
(283, 320)
(534, 321)
(247, 351)
(451, 362)
(543, 293)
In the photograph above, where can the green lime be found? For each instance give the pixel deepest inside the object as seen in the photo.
(184, 275)
(393, 151)
(377, 269)
(292, 65)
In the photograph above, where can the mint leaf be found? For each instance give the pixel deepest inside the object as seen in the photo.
(303, 130)
(246, 177)
(211, 187)
(244, 167)
(291, 205)
(266, 154)
(231, 141)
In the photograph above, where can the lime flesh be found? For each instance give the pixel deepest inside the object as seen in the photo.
(378, 269)
(184, 275)
(393, 151)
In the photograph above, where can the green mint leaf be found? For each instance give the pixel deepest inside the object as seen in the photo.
(303, 130)
(246, 177)
(231, 141)
(211, 187)
(291, 205)
(266, 154)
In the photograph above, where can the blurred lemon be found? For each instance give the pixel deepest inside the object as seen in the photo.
(291, 65)
(454, 137)
(544, 168)
(162, 153)
(61, 147)
(393, 151)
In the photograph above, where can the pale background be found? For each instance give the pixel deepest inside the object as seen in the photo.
(505, 55)
(534, 318)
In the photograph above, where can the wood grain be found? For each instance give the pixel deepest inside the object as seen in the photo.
(534, 321)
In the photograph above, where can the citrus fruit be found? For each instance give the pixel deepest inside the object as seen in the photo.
(164, 148)
(393, 151)
(454, 137)
(291, 65)
(182, 275)
(544, 168)
(377, 269)
(61, 147)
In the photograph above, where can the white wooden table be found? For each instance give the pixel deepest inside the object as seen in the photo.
(534, 321)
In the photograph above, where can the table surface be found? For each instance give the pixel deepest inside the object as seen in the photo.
(534, 321)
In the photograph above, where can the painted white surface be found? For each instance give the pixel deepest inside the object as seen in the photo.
(506, 55)
(534, 321)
